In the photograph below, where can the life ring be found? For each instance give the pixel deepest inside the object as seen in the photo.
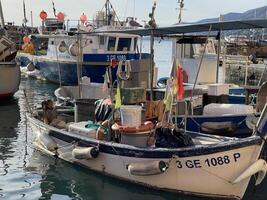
(124, 75)
(127, 129)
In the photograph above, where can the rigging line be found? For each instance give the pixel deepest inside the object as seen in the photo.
(126, 9)
(134, 9)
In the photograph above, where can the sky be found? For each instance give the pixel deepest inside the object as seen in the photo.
(166, 11)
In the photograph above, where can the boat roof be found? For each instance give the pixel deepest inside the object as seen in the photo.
(199, 27)
(105, 33)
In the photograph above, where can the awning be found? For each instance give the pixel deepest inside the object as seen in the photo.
(199, 27)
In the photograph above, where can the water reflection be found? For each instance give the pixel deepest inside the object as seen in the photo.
(61, 180)
(9, 119)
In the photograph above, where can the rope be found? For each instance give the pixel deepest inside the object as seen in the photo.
(91, 125)
(127, 73)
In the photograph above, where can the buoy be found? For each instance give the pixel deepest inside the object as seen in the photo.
(61, 16)
(83, 18)
(47, 142)
(30, 67)
(73, 49)
(43, 15)
(147, 168)
(26, 39)
(85, 152)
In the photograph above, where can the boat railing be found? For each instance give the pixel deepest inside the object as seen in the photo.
(70, 25)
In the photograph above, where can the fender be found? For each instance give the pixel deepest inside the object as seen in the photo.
(147, 168)
(260, 167)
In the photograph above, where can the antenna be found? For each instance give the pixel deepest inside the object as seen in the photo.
(24, 14)
(181, 6)
(54, 9)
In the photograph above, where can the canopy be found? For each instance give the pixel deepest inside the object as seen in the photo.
(200, 27)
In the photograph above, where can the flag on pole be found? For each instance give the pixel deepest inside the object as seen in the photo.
(180, 86)
(118, 98)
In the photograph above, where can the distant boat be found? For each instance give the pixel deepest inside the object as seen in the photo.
(9, 70)
(56, 54)
(9, 79)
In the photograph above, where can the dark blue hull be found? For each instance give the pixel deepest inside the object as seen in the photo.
(94, 66)
(23, 60)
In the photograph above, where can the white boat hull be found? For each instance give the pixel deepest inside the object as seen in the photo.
(9, 79)
(212, 174)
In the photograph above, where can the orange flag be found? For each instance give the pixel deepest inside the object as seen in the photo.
(180, 87)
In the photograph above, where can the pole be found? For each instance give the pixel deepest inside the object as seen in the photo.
(181, 6)
(79, 62)
(152, 40)
(199, 65)
(218, 56)
(2, 15)
(31, 20)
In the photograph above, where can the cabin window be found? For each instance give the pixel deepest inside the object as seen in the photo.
(124, 44)
(40, 45)
(102, 40)
(111, 44)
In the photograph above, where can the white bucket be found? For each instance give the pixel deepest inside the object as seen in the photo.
(131, 115)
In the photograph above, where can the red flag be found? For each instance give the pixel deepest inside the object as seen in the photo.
(180, 87)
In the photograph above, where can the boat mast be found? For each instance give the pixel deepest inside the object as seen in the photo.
(2, 15)
(153, 25)
(108, 8)
(218, 50)
(24, 15)
(54, 8)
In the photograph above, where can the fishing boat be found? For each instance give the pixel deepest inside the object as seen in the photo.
(226, 163)
(9, 70)
(57, 55)
(9, 79)
(119, 142)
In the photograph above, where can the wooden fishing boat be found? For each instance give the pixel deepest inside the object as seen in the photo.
(9, 70)
(9, 79)
(226, 164)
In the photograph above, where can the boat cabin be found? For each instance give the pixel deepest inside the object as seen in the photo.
(188, 50)
(66, 46)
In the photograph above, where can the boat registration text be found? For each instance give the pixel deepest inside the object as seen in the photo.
(209, 162)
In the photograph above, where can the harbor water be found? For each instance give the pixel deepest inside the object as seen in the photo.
(26, 173)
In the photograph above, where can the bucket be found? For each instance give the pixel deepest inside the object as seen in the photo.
(131, 116)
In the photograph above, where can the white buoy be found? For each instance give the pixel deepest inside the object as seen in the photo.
(30, 67)
(147, 168)
(47, 142)
(85, 153)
